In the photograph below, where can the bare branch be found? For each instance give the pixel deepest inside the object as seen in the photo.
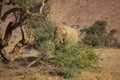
(32, 14)
(8, 33)
(11, 27)
(43, 4)
(17, 16)
(1, 4)
(15, 53)
(9, 12)
(10, 2)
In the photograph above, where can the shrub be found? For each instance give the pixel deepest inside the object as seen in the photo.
(117, 43)
(25, 4)
(71, 60)
(66, 60)
(28, 76)
(110, 39)
(44, 36)
(96, 35)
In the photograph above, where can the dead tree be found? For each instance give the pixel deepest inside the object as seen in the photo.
(21, 16)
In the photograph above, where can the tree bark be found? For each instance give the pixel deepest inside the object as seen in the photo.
(9, 12)
(43, 4)
(1, 3)
(15, 53)
(20, 20)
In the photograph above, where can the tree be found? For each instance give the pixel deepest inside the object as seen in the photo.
(94, 35)
(22, 11)
(97, 35)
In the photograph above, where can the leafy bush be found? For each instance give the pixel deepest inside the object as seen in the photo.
(117, 43)
(72, 59)
(46, 9)
(66, 60)
(110, 40)
(25, 4)
(28, 76)
(96, 35)
(44, 36)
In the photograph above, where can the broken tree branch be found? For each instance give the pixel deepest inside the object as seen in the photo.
(9, 12)
(11, 26)
(12, 55)
(1, 4)
(43, 4)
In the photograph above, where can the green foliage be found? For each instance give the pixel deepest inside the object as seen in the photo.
(110, 40)
(44, 36)
(66, 60)
(44, 30)
(28, 76)
(96, 35)
(98, 28)
(46, 9)
(24, 4)
(72, 59)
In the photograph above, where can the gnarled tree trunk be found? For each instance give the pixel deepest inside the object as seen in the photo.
(15, 53)
(21, 16)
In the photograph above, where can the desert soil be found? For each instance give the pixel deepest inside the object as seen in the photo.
(109, 69)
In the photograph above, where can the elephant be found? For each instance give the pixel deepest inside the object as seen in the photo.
(65, 34)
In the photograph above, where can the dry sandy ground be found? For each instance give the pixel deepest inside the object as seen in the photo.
(109, 63)
(110, 66)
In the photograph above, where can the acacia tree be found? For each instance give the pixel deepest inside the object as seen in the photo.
(22, 11)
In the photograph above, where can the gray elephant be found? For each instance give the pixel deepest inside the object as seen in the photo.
(66, 34)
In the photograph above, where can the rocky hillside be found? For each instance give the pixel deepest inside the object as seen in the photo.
(85, 12)
(82, 12)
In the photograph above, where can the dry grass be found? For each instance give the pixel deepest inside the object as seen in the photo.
(109, 63)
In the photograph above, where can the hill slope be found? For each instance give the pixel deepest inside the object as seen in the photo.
(86, 12)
